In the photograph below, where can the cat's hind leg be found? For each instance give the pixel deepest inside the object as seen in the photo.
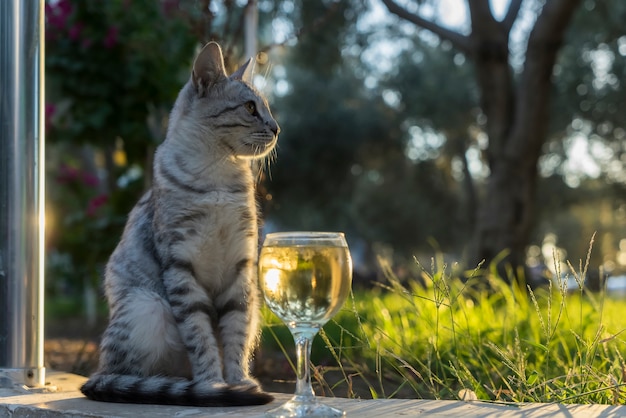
(141, 362)
(142, 338)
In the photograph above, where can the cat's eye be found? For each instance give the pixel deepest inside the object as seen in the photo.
(250, 107)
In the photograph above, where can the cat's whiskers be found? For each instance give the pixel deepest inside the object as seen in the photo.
(267, 162)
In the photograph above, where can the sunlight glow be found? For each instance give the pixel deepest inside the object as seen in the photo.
(499, 8)
(453, 12)
(580, 162)
(271, 280)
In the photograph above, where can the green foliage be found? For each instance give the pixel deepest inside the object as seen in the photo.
(443, 338)
(376, 176)
(378, 151)
(108, 66)
(62, 308)
(342, 162)
(82, 225)
(591, 67)
(323, 138)
(437, 86)
(111, 78)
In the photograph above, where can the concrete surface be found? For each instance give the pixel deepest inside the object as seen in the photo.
(61, 398)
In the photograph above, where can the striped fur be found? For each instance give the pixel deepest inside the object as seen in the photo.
(181, 284)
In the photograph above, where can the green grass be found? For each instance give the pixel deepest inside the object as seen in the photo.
(62, 307)
(443, 338)
(59, 308)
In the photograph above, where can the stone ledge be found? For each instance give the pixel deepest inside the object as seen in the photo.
(67, 401)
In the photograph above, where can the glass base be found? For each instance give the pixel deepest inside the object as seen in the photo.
(304, 407)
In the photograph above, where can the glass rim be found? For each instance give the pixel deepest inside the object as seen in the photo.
(304, 237)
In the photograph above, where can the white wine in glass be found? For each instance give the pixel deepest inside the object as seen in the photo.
(305, 278)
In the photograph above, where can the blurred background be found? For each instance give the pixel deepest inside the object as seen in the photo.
(474, 130)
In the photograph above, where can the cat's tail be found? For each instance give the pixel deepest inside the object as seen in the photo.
(165, 390)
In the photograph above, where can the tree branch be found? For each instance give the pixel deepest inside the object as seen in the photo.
(310, 28)
(554, 19)
(511, 14)
(544, 43)
(460, 42)
(480, 12)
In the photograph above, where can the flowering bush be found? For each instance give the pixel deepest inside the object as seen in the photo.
(113, 69)
(109, 65)
(81, 226)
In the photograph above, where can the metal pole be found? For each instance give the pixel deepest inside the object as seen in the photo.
(21, 192)
(250, 29)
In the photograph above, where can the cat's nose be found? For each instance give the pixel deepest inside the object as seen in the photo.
(273, 126)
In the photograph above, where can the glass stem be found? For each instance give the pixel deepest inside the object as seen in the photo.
(303, 341)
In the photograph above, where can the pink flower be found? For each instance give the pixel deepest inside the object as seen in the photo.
(96, 203)
(75, 31)
(49, 113)
(169, 7)
(111, 37)
(65, 6)
(67, 174)
(58, 13)
(90, 179)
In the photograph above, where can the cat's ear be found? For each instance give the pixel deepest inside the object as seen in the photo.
(244, 73)
(208, 67)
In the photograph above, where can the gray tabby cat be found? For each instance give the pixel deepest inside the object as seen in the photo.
(181, 284)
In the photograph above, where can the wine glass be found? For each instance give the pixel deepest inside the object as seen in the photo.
(305, 278)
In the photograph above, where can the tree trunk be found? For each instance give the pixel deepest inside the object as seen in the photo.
(517, 119)
(517, 128)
